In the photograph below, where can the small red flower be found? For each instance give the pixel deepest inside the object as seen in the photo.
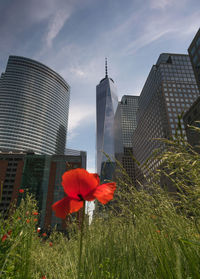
(44, 234)
(35, 213)
(153, 216)
(21, 191)
(27, 221)
(4, 237)
(35, 220)
(18, 218)
(9, 232)
(43, 277)
(158, 231)
(50, 244)
(38, 230)
(80, 185)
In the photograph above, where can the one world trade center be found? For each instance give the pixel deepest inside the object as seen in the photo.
(106, 105)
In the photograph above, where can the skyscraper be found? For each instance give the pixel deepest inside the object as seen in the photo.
(125, 122)
(194, 53)
(170, 89)
(34, 104)
(106, 105)
(125, 125)
(192, 116)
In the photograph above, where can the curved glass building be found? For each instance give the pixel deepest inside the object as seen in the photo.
(34, 105)
(106, 105)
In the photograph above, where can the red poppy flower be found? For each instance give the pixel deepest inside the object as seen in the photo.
(35, 220)
(44, 234)
(51, 244)
(38, 230)
(35, 213)
(80, 185)
(4, 237)
(43, 277)
(27, 221)
(21, 191)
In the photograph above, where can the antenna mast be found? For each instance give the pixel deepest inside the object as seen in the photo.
(106, 67)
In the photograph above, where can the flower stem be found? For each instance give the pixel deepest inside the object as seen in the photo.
(81, 241)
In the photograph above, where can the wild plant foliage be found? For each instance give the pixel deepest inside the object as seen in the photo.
(151, 232)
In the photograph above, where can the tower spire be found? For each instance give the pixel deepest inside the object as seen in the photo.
(106, 67)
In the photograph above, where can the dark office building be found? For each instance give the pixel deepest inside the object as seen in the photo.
(41, 175)
(169, 91)
(125, 125)
(194, 53)
(192, 116)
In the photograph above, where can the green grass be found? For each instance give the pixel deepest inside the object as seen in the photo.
(147, 234)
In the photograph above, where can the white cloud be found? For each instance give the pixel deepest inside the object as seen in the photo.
(156, 26)
(56, 23)
(78, 72)
(82, 76)
(148, 37)
(161, 4)
(79, 115)
(71, 134)
(192, 22)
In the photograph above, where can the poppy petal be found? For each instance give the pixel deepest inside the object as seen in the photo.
(104, 193)
(66, 206)
(90, 196)
(96, 176)
(79, 182)
(4, 237)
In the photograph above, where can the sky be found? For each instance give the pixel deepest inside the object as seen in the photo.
(73, 37)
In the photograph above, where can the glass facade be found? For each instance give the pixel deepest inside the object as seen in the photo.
(106, 105)
(192, 116)
(169, 91)
(34, 105)
(125, 122)
(194, 53)
(125, 125)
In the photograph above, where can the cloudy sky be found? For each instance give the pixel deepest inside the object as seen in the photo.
(73, 37)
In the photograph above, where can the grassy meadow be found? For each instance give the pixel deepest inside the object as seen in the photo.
(146, 234)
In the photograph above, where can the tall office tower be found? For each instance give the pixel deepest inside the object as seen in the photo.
(106, 105)
(194, 53)
(125, 125)
(34, 104)
(192, 118)
(193, 114)
(169, 90)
